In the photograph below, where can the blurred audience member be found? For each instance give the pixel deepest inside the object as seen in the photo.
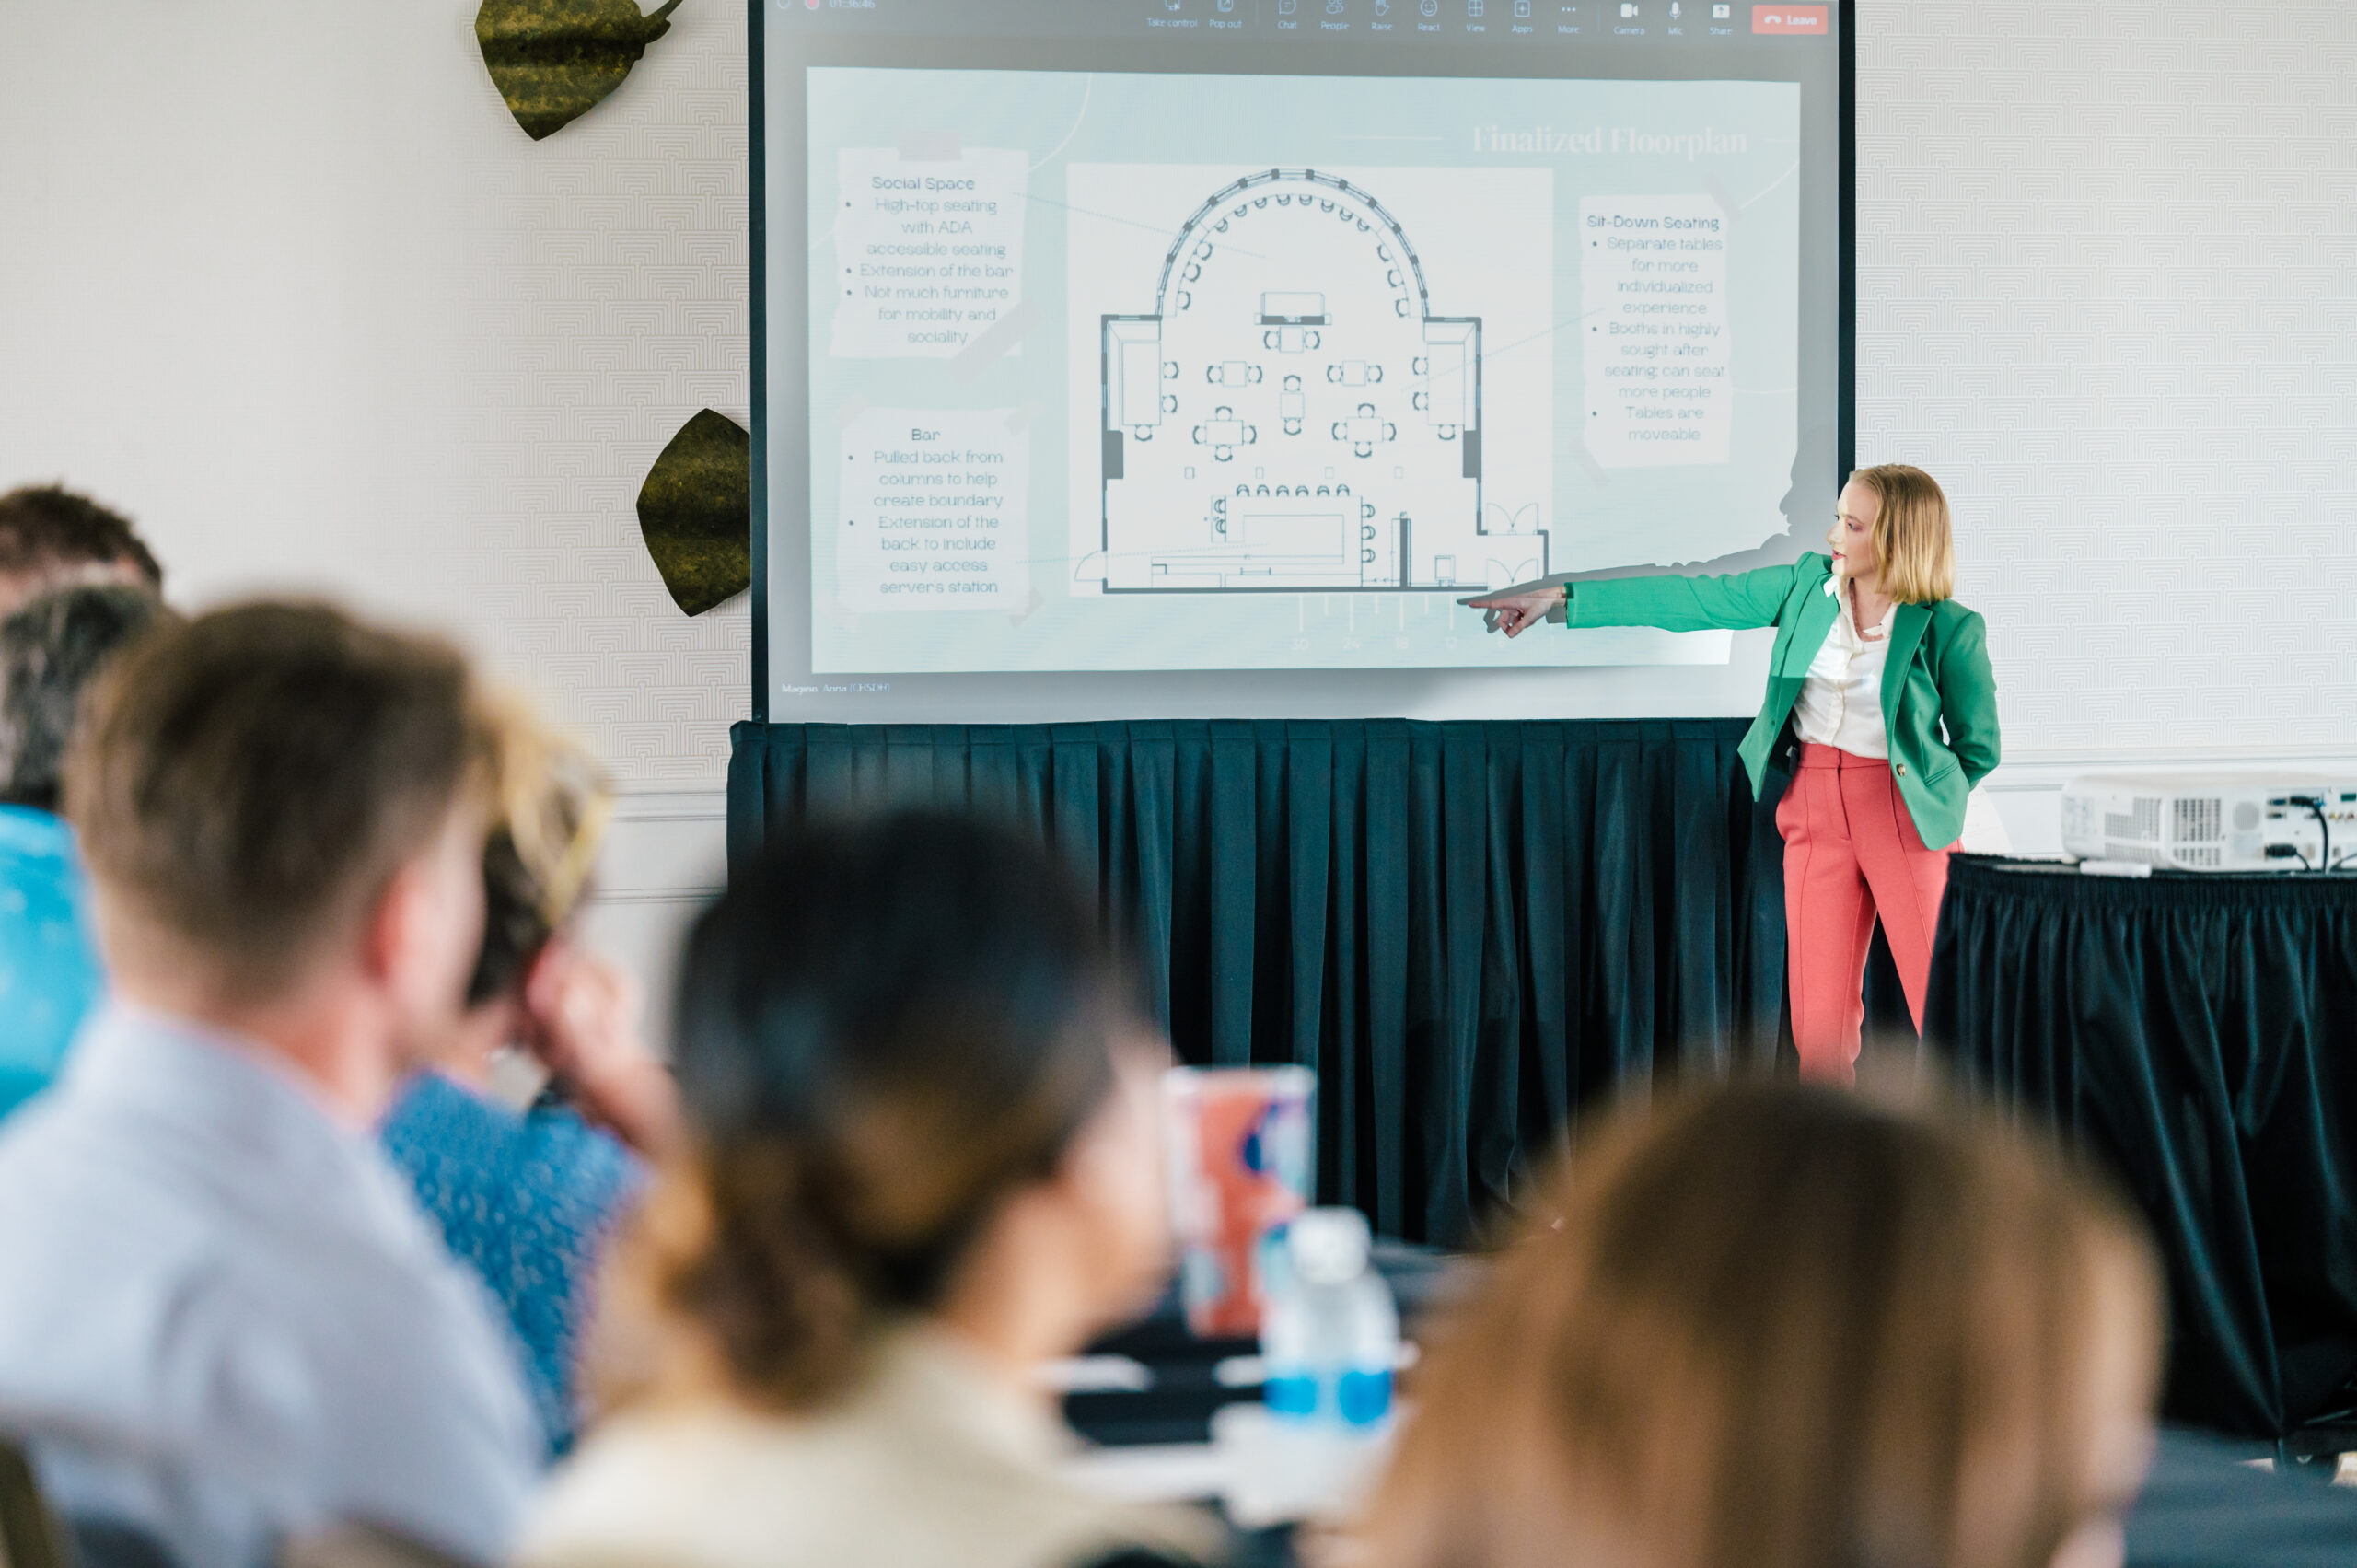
(527, 1200)
(49, 972)
(222, 1315)
(51, 538)
(1783, 1327)
(924, 1162)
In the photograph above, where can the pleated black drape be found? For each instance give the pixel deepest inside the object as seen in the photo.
(1467, 929)
(2201, 1035)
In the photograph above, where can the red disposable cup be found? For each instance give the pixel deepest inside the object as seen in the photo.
(1241, 1144)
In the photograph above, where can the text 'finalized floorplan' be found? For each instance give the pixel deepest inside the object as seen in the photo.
(1293, 415)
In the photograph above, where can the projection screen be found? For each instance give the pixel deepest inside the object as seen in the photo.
(1164, 358)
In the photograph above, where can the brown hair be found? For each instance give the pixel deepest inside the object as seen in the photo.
(50, 652)
(1782, 1326)
(1914, 545)
(246, 782)
(885, 1030)
(48, 528)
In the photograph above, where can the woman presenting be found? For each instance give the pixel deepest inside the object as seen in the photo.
(1883, 682)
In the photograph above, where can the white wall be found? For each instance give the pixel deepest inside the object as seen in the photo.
(2108, 293)
(284, 281)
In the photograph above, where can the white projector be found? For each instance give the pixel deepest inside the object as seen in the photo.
(2211, 821)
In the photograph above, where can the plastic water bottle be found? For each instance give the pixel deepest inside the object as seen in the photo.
(1330, 1336)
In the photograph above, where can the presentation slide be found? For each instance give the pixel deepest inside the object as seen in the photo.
(1158, 371)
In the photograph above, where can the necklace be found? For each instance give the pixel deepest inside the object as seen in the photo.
(1853, 607)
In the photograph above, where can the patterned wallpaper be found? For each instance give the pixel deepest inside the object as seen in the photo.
(285, 282)
(613, 304)
(354, 331)
(2107, 294)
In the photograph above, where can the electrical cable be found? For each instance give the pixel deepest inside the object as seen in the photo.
(2316, 806)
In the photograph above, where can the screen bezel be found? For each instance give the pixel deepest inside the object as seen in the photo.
(1845, 304)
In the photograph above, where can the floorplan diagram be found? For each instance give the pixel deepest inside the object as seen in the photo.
(1292, 413)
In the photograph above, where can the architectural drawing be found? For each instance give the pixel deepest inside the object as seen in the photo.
(1293, 414)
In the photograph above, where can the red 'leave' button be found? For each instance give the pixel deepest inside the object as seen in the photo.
(1789, 19)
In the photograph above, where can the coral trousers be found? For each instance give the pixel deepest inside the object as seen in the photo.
(1851, 853)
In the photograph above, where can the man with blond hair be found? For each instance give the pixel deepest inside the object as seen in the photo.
(223, 1319)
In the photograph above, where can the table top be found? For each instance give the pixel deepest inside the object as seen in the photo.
(2054, 865)
(1155, 1385)
(2052, 877)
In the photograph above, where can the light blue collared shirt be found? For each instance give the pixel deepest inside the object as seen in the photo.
(223, 1316)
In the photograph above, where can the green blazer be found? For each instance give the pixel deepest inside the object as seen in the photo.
(1936, 676)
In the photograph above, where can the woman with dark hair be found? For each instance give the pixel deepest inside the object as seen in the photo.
(924, 1162)
(1786, 1328)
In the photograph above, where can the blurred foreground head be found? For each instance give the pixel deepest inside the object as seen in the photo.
(276, 799)
(917, 1089)
(1786, 1328)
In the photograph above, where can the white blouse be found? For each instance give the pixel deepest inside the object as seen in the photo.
(1840, 703)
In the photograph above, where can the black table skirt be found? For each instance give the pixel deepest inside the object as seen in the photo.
(2200, 1034)
(1469, 931)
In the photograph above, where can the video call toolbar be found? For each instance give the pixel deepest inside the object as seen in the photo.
(1526, 23)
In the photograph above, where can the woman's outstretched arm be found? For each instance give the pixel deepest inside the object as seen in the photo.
(1737, 601)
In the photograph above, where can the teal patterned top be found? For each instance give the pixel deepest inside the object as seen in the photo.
(528, 1201)
(49, 965)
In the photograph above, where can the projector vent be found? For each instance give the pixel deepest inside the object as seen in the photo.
(2207, 857)
(2198, 820)
(2144, 826)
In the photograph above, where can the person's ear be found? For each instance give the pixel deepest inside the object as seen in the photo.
(424, 930)
(397, 924)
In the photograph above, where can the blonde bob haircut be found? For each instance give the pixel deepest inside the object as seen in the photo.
(1913, 541)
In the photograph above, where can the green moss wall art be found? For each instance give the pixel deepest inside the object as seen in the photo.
(553, 61)
(696, 512)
